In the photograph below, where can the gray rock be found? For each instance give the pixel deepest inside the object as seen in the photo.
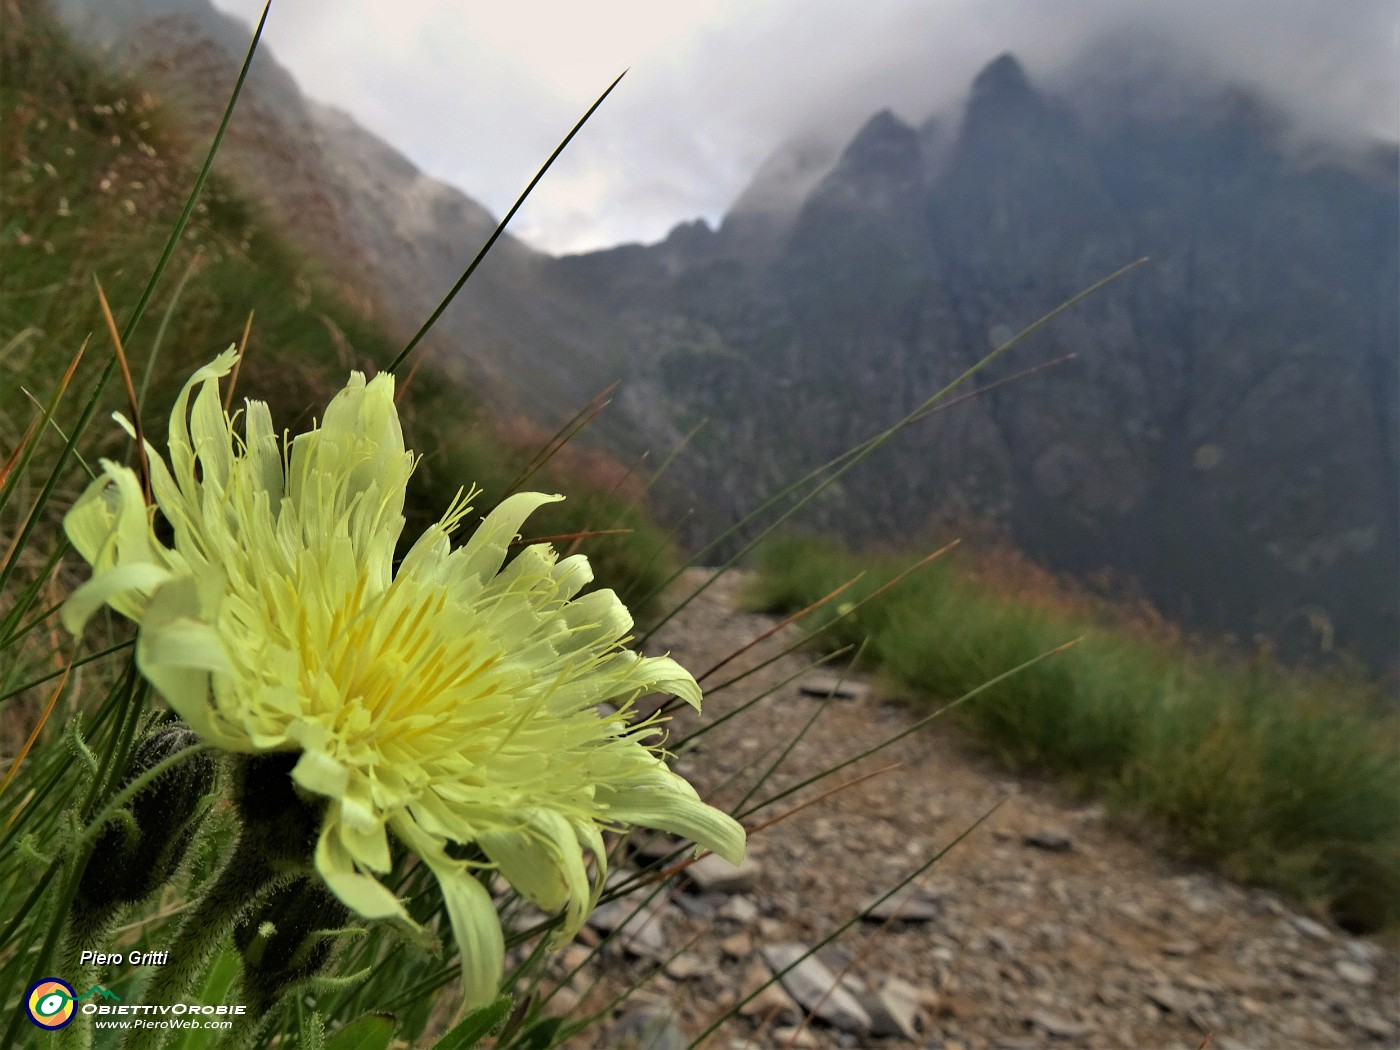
(816, 988)
(713, 874)
(651, 1027)
(910, 904)
(1362, 951)
(999, 939)
(1053, 840)
(1059, 1027)
(1376, 1026)
(1169, 999)
(833, 686)
(636, 928)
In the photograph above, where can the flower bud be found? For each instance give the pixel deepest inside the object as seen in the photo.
(280, 825)
(283, 941)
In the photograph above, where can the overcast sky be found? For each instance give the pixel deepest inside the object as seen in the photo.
(478, 93)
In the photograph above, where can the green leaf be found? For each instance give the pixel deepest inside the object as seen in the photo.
(476, 1026)
(542, 1035)
(370, 1032)
(217, 988)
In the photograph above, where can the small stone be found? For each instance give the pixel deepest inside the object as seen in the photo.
(638, 930)
(713, 874)
(562, 1003)
(684, 966)
(739, 946)
(1376, 1027)
(825, 685)
(1355, 972)
(816, 989)
(908, 905)
(652, 1026)
(1169, 999)
(1181, 949)
(739, 909)
(791, 1035)
(575, 957)
(1052, 840)
(1311, 928)
(697, 907)
(652, 847)
(894, 1008)
(1362, 951)
(1059, 1027)
(999, 939)
(771, 1002)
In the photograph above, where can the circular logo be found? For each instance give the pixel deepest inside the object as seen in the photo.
(49, 1003)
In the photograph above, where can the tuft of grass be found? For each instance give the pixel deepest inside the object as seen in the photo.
(1286, 779)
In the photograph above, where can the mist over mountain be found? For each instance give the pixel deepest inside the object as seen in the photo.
(1226, 433)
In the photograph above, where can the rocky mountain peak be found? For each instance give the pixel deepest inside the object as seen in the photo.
(1002, 84)
(885, 142)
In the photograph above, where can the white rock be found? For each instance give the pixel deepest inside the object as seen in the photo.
(1355, 972)
(739, 909)
(1311, 928)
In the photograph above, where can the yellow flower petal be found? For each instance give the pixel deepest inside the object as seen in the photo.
(453, 701)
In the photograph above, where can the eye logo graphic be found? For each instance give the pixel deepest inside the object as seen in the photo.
(49, 1003)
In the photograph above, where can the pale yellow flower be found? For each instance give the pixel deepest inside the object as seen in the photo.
(454, 701)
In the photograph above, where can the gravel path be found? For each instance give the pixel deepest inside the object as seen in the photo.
(1043, 927)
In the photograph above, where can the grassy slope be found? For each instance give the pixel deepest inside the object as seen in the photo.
(1281, 779)
(89, 190)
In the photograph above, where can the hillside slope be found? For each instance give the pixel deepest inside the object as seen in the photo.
(393, 236)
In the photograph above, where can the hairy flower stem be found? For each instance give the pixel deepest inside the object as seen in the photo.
(245, 878)
(84, 928)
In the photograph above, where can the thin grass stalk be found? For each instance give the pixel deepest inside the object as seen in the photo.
(839, 930)
(500, 227)
(910, 729)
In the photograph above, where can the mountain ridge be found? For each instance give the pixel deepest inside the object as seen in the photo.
(1226, 433)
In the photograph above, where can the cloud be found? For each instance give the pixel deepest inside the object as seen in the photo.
(478, 94)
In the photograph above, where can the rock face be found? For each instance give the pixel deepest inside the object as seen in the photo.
(1226, 434)
(1227, 431)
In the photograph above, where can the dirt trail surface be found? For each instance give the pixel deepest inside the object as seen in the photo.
(1044, 927)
